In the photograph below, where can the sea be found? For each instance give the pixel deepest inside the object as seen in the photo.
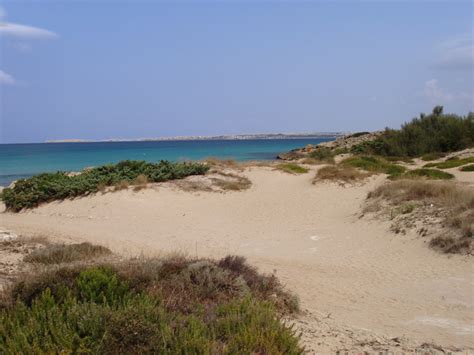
(19, 161)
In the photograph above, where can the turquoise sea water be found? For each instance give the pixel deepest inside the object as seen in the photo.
(23, 160)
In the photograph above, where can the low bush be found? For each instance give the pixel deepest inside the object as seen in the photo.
(450, 163)
(323, 155)
(469, 167)
(172, 306)
(358, 134)
(374, 165)
(31, 192)
(57, 254)
(432, 174)
(432, 156)
(292, 168)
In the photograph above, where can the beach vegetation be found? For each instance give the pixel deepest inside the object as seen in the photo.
(231, 181)
(66, 253)
(323, 155)
(30, 192)
(374, 164)
(174, 305)
(358, 134)
(453, 162)
(339, 173)
(451, 245)
(453, 204)
(432, 156)
(292, 168)
(469, 167)
(222, 163)
(433, 133)
(425, 173)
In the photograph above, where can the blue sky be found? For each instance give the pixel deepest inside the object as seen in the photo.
(104, 69)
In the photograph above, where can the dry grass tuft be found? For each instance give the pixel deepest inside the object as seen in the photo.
(451, 245)
(36, 239)
(102, 187)
(122, 185)
(216, 181)
(453, 204)
(445, 193)
(140, 182)
(58, 254)
(232, 182)
(222, 163)
(339, 173)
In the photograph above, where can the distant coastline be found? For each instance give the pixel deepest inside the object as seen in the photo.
(220, 137)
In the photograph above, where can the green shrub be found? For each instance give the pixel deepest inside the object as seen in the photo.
(100, 285)
(323, 154)
(358, 134)
(451, 163)
(469, 167)
(374, 164)
(31, 192)
(432, 156)
(292, 168)
(427, 173)
(131, 308)
(433, 133)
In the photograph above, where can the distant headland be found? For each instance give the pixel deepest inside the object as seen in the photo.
(219, 137)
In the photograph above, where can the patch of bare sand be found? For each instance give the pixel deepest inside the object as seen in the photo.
(351, 272)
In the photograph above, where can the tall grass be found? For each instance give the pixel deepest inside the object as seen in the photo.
(66, 253)
(432, 174)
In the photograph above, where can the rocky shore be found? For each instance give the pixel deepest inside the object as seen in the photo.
(343, 143)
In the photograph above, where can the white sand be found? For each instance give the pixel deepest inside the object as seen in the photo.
(352, 270)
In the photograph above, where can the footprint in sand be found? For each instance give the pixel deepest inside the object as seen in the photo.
(314, 238)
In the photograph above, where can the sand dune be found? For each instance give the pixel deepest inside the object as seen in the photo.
(352, 273)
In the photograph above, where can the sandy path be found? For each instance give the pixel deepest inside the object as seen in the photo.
(353, 270)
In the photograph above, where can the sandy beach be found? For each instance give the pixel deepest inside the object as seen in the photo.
(357, 280)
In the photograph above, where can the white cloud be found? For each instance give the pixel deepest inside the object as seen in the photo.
(434, 93)
(6, 79)
(456, 53)
(22, 31)
(25, 32)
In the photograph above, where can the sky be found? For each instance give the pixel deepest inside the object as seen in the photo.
(116, 69)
